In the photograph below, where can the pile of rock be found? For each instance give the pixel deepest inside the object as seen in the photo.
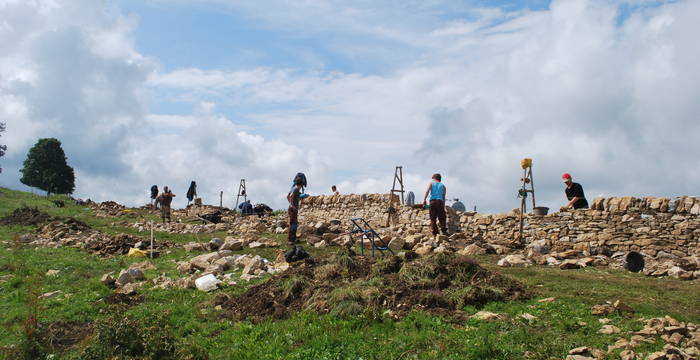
(107, 209)
(128, 280)
(232, 243)
(74, 233)
(179, 228)
(685, 268)
(682, 341)
(69, 232)
(220, 263)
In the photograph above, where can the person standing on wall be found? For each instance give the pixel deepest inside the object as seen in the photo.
(438, 192)
(574, 193)
(166, 198)
(334, 190)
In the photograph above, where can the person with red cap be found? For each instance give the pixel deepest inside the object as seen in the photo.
(574, 192)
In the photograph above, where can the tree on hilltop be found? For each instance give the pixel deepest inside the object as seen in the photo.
(46, 168)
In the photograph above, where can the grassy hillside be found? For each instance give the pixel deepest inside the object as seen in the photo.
(188, 322)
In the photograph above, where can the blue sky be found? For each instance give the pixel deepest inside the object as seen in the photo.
(165, 92)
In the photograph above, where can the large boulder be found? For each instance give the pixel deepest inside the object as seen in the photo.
(516, 260)
(471, 250)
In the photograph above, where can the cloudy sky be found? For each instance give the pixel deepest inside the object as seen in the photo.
(144, 92)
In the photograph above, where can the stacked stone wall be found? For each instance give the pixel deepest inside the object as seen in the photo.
(657, 227)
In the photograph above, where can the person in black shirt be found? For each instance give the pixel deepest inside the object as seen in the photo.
(574, 193)
(293, 211)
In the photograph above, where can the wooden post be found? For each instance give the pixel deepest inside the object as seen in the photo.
(151, 241)
(221, 199)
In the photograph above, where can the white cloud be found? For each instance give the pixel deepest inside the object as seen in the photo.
(76, 76)
(614, 104)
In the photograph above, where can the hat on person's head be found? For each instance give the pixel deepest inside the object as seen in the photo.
(437, 177)
(566, 176)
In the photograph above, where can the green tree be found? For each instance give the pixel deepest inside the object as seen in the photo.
(46, 168)
(3, 148)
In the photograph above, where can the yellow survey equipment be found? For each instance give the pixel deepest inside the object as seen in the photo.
(526, 163)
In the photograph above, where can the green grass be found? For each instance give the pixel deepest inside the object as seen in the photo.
(560, 325)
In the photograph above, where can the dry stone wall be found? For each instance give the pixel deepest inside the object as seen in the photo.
(657, 227)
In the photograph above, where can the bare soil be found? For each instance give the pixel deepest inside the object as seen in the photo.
(124, 300)
(348, 285)
(25, 216)
(61, 335)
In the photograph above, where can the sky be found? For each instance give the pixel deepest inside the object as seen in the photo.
(144, 92)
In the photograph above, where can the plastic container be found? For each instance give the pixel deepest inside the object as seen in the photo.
(207, 283)
(540, 210)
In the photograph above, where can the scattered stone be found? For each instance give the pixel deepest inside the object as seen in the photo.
(397, 243)
(570, 264)
(215, 243)
(256, 245)
(659, 355)
(51, 294)
(528, 317)
(232, 244)
(609, 329)
(514, 261)
(424, 250)
(547, 300)
(628, 355)
(124, 278)
(108, 279)
(471, 250)
(487, 316)
(603, 309)
(52, 272)
(622, 307)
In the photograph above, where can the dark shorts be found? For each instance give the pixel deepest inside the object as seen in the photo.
(293, 214)
(437, 212)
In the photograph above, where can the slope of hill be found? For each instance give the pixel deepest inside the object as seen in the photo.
(52, 260)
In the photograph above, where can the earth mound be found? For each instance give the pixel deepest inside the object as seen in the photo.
(25, 216)
(61, 335)
(348, 285)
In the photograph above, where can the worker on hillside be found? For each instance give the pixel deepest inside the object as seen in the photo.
(165, 199)
(246, 207)
(191, 192)
(334, 190)
(437, 191)
(574, 193)
(154, 196)
(293, 198)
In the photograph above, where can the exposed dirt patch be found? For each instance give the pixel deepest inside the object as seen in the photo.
(25, 216)
(61, 335)
(348, 285)
(124, 300)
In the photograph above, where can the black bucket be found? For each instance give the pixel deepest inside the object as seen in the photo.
(633, 261)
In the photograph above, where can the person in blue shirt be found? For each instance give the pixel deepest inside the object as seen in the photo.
(438, 192)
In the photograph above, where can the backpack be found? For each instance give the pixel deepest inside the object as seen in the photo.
(302, 177)
(295, 254)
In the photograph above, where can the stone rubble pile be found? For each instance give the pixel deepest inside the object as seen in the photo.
(179, 228)
(682, 340)
(74, 233)
(685, 268)
(221, 264)
(107, 209)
